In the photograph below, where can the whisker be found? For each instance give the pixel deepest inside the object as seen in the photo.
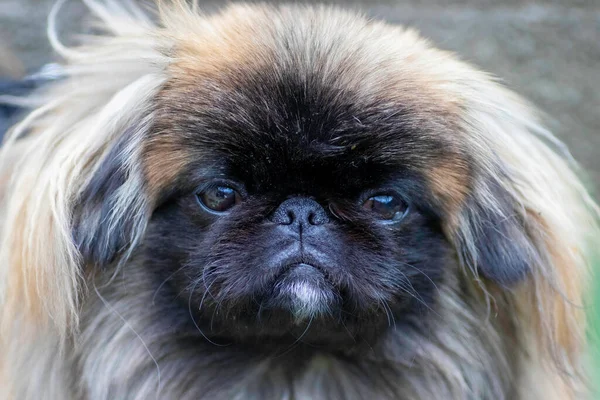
(128, 325)
(298, 340)
(388, 312)
(194, 321)
(215, 312)
(423, 273)
(415, 294)
(163, 283)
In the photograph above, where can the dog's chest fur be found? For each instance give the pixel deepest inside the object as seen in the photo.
(129, 349)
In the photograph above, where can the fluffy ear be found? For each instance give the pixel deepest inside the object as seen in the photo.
(77, 175)
(523, 191)
(500, 247)
(529, 219)
(111, 209)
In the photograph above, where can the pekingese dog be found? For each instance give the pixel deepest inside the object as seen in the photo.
(286, 202)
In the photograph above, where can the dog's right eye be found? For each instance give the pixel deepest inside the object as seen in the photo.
(219, 198)
(387, 207)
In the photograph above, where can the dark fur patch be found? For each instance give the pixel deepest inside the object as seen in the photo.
(99, 237)
(505, 253)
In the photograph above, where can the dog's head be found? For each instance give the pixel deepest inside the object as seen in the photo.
(302, 166)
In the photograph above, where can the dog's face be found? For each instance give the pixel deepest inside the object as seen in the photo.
(303, 205)
(302, 184)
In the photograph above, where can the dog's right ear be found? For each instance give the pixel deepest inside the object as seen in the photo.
(504, 252)
(111, 209)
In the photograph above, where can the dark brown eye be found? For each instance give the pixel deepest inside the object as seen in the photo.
(387, 207)
(219, 198)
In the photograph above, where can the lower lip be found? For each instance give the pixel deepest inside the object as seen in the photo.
(303, 268)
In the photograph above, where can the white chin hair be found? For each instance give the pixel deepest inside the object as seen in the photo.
(308, 300)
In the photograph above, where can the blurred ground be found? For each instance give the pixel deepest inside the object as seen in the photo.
(547, 50)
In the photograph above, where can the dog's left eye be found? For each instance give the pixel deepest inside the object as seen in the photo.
(219, 198)
(387, 207)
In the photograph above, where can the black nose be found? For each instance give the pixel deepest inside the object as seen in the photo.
(300, 211)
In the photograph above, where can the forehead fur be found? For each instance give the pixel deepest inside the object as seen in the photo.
(335, 80)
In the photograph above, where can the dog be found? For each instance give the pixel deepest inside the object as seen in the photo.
(286, 202)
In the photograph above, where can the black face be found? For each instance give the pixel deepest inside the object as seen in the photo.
(306, 221)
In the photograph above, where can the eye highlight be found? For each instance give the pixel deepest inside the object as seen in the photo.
(219, 198)
(387, 207)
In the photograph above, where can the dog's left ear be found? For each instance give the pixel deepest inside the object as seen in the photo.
(111, 209)
(495, 239)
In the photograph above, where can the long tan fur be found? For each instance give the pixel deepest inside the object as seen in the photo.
(111, 82)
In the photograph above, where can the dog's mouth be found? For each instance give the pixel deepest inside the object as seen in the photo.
(299, 297)
(302, 263)
(302, 270)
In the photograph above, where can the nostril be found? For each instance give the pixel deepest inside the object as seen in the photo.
(316, 219)
(291, 217)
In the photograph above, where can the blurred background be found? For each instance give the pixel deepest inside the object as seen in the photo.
(547, 50)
